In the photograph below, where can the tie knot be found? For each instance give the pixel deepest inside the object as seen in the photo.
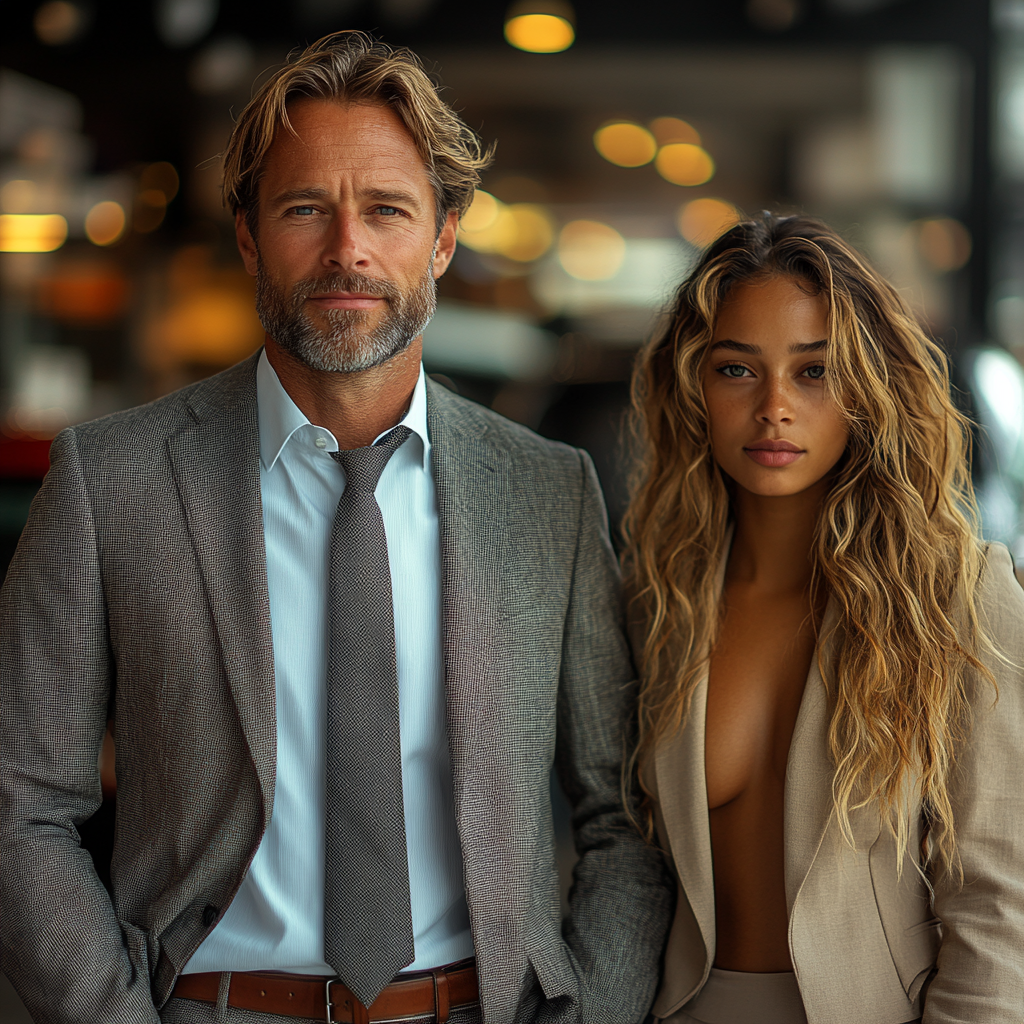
(363, 466)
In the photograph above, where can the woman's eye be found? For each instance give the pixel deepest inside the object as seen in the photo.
(815, 372)
(734, 370)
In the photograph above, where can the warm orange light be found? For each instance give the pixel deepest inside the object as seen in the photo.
(703, 220)
(625, 144)
(944, 243)
(673, 129)
(522, 231)
(162, 177)
(683, 163)
(590, 251)
(540, 33)
(482, 213)
(105, 223)
(32, 232)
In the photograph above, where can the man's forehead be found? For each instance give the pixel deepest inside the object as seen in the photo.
(359, 139)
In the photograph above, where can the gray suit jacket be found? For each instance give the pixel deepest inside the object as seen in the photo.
(139, 591)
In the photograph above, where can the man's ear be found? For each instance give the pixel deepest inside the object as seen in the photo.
(246, 243)
(444, 248)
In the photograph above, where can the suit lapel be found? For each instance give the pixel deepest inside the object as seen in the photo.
(683, 798)
(809, 772)
(216, 469)
(472, 479)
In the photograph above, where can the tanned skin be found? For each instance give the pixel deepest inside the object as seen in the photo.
(347, 193)
(777, 435)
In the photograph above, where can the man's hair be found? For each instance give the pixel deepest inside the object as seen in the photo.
(351, 67)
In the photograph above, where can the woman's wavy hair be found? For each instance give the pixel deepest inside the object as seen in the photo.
(352, 67)
(895, 546)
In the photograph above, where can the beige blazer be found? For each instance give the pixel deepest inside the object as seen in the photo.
(869, 947)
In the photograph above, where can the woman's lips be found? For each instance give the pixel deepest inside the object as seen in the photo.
(773, 453)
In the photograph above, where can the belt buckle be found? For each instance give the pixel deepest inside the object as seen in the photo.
(328, 1005)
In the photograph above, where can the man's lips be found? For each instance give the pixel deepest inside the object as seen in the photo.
(345, 300)
(773, 453)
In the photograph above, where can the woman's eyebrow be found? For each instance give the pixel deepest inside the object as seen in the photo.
(796, 349)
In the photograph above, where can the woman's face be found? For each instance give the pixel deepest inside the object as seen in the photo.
(775, 429)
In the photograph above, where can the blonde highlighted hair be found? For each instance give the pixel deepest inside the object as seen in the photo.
(351, 67)
(896, 545)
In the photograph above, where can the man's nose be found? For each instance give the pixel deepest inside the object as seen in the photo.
(776, 402)
(346, 243)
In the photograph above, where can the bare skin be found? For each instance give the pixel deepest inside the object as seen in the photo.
(347, 194)
(777, 434)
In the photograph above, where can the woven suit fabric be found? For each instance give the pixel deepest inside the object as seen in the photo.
(368, 935)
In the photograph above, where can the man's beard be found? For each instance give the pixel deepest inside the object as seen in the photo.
(350, 341)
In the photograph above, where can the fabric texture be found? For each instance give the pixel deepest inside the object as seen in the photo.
(139, 592)
(367, 909)
(870, 942)
(276, 919)
(741, 997)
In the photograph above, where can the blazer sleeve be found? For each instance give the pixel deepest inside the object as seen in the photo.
(980, 973)
(60, 941)
(622, 897)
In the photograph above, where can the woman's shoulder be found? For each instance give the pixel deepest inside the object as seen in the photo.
(999, 601)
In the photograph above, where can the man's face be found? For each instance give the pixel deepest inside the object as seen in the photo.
(347, 252)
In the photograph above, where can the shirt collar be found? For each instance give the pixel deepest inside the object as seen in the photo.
(280, 418)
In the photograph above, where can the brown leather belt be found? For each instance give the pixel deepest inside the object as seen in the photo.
(427, 994)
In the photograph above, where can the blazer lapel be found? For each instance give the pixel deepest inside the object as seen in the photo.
(683, 799)
(216, 468)
(809, 772)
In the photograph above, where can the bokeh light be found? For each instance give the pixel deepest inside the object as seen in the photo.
(32, 232)
(58, 22)
(521, 231)
(944, 243)
(540, 33)
(482, 213)
(590, 251)
(162, 177)
(701, 221)
(673, 129)
(105, 223)
(683, 163)
(625, 144)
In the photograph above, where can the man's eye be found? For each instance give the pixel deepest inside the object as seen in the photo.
(304, 211)
(734, 370)
(389, 211)
(815, 372)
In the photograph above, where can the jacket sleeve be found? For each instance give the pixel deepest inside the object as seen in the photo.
(622, 897)
(980, 974)
(60, 941)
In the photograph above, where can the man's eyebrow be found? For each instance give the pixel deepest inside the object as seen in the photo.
(754, 350)
(297, 195)
(294, 195)
(389, 196)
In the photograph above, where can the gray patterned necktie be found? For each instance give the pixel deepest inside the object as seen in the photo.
(367, 913)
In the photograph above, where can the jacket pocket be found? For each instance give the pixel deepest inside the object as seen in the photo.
(551, 964)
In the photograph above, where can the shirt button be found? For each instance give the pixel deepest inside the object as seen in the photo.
(321, 442)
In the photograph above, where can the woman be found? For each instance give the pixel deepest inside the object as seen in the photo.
(822, 639)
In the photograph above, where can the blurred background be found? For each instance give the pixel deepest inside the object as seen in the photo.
(628, 136)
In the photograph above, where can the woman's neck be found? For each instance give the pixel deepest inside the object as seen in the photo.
(773, 540)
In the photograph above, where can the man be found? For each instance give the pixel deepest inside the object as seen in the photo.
(345, 623)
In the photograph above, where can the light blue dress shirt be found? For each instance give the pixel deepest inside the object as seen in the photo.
(275, 922)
